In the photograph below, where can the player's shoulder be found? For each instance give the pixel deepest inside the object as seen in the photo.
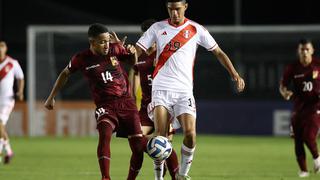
(82, 54)
(12, 60)
(197, 25)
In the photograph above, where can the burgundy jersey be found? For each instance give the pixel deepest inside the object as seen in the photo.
(306, 85)
(145, 68)
(106, 76)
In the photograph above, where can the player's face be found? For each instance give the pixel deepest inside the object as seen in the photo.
(305, 52)
(100, 44)
(176, 12)
(3, 50)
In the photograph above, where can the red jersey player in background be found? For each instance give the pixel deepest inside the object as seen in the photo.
(116, 111)
(9, 71)
(143, 71)
(304, 75)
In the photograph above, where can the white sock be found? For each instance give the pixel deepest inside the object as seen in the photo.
(158, 169)
(186, 159)
(1, 145)
(7, 148)
(317, 161)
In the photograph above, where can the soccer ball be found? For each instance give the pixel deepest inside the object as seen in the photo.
(159, 148)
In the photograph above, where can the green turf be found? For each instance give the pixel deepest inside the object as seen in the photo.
(216, 157)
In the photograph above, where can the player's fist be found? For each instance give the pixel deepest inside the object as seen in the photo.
(19, 96)
(239, 83)
(49, 104)
(131, 49)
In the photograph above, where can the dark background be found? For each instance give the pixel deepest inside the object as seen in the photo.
(16, 15)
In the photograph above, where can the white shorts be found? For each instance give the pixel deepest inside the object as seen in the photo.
(176, 103)
(5, 111)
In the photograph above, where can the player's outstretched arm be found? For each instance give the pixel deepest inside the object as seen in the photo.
(285, 93)
(226, 62)
(60, 82)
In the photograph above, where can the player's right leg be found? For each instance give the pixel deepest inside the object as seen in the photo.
(105, 128)
(172, 161)
(299, 148)
(1, 139)
(161, 125)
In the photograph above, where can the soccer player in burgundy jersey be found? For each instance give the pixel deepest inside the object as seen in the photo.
(303, 77)
(143, 71)
(10, 70)
(116, 111)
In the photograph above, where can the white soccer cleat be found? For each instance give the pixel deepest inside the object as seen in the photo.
(303, 174)
(316, 166)
(180, 177)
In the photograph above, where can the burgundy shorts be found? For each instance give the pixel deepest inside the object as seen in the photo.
(122, 114)
(305, 125)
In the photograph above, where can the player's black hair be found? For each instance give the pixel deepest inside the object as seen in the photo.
(96, 29)
(304, 41)
(146, 24)
(173, 1)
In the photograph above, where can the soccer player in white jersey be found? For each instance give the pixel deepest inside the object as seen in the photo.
(9, 71)
(177, 39)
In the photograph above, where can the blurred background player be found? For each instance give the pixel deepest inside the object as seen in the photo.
(143, 70)
(177, 39)
(304, 77)
(115, 108)
(10, 71)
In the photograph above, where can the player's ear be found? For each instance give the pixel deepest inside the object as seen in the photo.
(186, 6)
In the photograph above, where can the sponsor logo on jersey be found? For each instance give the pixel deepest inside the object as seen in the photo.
(91, 67)
(114, 60)
(315, 74)
(164, 33)
(298, 76)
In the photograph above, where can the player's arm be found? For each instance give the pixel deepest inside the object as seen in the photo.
(60, 82)
(285, 93)
(226, 62)
(20, 89)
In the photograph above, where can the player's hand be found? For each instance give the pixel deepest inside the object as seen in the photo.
(239, 83)
(114, 38)
(49, 104)
(19, 96)
(286, 94)
(131, 49)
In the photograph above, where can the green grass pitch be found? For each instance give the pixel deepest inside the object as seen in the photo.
(216, 157)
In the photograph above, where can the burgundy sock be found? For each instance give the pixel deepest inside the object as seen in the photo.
(172, 164)
(103, 150)
(138, 146)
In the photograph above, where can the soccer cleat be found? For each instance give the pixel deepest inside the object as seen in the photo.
(181, 177)
(316, 166)
(303, 174)
(7, 159)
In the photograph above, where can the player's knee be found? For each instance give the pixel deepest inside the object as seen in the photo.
(190, 136)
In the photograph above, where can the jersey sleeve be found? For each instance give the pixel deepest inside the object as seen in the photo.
(206, 40)
(287, 76)
(75, 63)
(148, 38)
(18, 73)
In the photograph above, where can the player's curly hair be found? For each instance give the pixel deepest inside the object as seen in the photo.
(96, 29)
(146, 24)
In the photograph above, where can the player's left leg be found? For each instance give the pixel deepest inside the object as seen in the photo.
(7, 148)
(310, 138)
(188, 124)
(1, 139)
(138, 145)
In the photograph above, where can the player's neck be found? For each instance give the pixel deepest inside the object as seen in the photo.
(306, 62)
(183, 20)
(2, 58)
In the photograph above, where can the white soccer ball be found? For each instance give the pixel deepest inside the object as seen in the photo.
(159, 148)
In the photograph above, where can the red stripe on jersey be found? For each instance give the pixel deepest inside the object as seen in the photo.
(5, 70)
(182, 38)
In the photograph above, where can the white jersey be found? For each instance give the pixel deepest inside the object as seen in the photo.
(176, 51)
(9, 70)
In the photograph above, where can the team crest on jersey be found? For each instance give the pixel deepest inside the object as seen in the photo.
(315, 74)
(186, 34)
(114, 60)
